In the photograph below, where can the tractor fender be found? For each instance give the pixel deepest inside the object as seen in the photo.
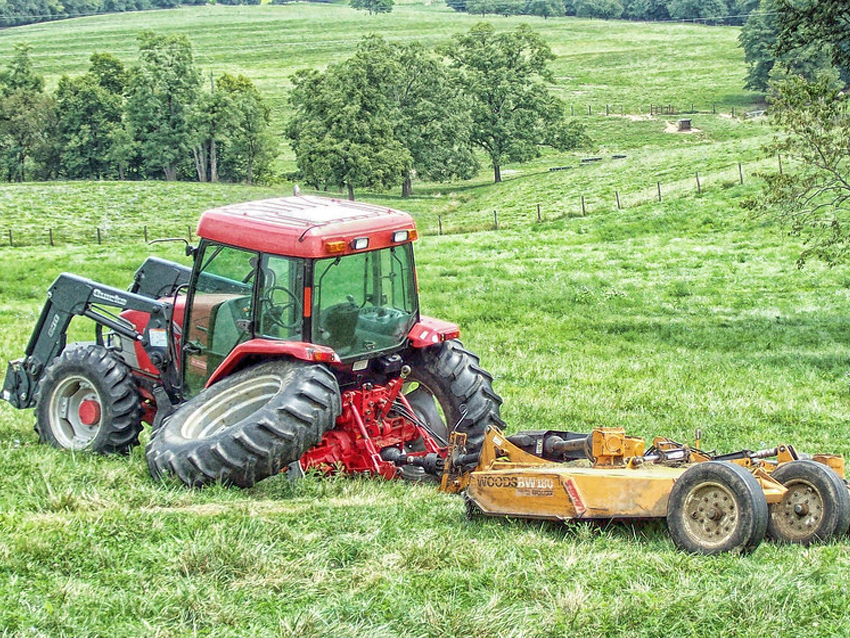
(257, 350)
(429, 331)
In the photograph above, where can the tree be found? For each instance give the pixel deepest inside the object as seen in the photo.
(90, 111)
(26, 116)
(19, 74)
(250, 146)
(826, 22)
(393, 108)
(606, 9)
(708, 11)
(813, 199)
(341, 134)
(512, 110)
(768, 59)
(374, 7)
(162, 93)
(430, 116)
(545, 8)
(646, 10)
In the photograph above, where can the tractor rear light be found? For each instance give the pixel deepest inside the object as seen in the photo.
(451, 335)
(321, 356)
(360, 243)
(404, 235)
(334, 247)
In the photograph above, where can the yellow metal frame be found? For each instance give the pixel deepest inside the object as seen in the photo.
(618, 482)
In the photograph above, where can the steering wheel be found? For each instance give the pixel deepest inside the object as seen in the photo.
(280, 304)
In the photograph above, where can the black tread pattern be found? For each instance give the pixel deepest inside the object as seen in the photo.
(122, 401)
(835, 517)
(749, 497)
(258, 446)
(463, 387)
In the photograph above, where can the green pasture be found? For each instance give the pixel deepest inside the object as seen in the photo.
(663, 317)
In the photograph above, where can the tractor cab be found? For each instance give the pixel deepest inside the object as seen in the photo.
(300, 270)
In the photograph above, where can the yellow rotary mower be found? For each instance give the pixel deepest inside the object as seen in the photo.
(713, 502)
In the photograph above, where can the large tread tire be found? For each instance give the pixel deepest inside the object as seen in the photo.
(816, 507)
(452, 376)
(82, 377)
(247, 427)
(717, 507)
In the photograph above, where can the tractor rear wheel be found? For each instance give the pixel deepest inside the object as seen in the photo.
(248, 426)
(717, 507)
(88, 400)
(449, 390)
(815, 508)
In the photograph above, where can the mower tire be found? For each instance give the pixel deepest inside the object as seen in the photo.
(88, 400)
(815, 508)
(717, 507)
(248, 426)
(449, 390)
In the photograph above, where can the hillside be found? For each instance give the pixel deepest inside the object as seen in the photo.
(663, 317)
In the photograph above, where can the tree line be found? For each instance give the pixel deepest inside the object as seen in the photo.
(705, 11)
(155, 120)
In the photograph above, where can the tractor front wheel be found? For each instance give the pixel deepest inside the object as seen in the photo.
(449, 390)
(88, 400)
(248, 426)
(717, 507)
(816, 506)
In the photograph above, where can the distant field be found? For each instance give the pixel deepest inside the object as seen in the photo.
(663, 317)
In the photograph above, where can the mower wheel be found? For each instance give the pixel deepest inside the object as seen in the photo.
(248, 426)
(717, 507)
(815, 508)
(448, 389)
(89, 400)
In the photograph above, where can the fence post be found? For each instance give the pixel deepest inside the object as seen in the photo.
(539, 218)
(714, 109)
(583, 209)
(440, 222)
(606, 110)
(146, 234)
(699, 186)
(589, 110)
(98, 236)
(659, 190)
(617, 195)
(10, 238)
(740, 173)
(733, 111)
(189, 231)
(495, 220)
(572, 110)
(50, 234)
(780, 163)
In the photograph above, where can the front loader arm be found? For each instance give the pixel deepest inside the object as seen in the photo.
(71, 296)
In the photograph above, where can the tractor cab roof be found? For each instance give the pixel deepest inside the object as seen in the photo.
(307, 226)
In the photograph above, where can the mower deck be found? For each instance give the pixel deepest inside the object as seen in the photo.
(713, 503)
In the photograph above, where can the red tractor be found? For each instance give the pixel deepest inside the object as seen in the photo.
(295, 339)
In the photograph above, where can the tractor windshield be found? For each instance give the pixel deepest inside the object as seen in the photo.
(366, 302)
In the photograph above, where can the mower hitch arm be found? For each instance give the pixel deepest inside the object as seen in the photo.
(71, 296)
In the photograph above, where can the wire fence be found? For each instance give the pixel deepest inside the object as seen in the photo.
(577, 205)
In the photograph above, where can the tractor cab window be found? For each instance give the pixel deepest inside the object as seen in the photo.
(365, 302)
(220, 312)
(281, 314)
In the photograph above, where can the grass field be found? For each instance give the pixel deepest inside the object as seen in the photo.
(663, 317)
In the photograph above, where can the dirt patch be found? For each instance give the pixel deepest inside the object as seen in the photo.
(673, 127)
